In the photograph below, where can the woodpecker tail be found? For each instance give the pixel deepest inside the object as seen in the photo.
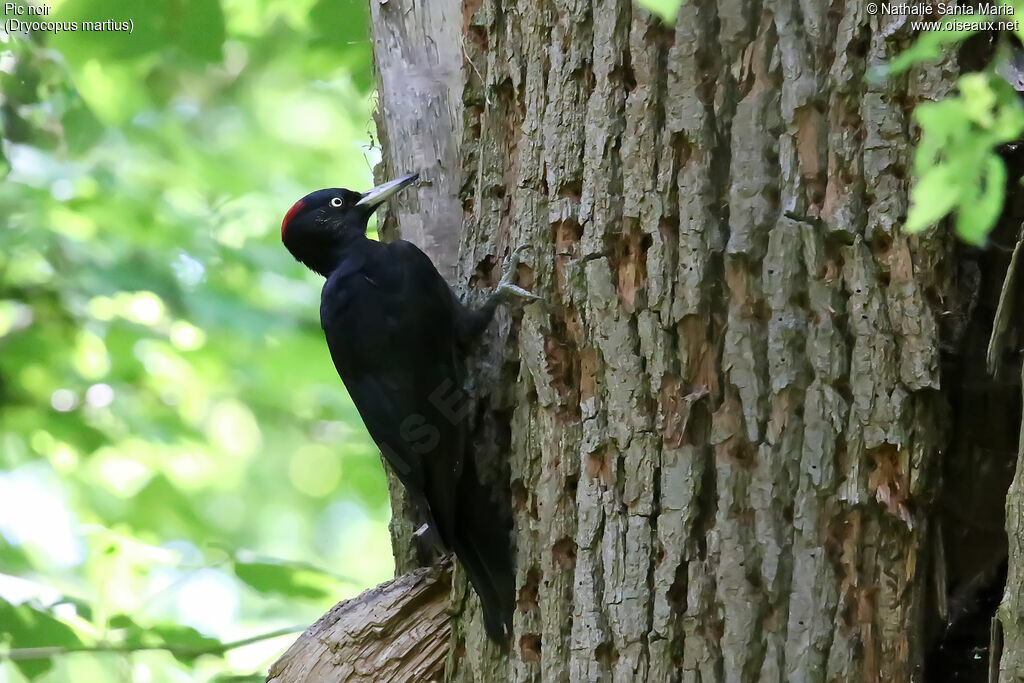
(483, 545)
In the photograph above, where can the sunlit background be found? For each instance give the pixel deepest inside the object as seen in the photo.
(180, 467)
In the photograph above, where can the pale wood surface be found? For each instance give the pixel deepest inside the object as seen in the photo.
(398, 631)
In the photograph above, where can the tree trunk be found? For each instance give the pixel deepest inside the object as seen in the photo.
(418, 61)
(1009, 324)
(724, 431)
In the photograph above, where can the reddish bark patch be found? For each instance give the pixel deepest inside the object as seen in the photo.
(701, 356)
(524, 276)
(529, 648)
(675, 410)
(572, 189)
(889, 483)
(469, 9)
(588, 374)
(568, 234)
(527, 600)
(599, 464)
(809, 144)
(478, 35)
(857, 599)
(606, 654)
(520, 496)
(563, 552)
(573, 328)
(727, 430)
(561, 365)
(631, 263)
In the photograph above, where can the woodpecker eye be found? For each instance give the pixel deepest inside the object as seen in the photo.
(336, 202)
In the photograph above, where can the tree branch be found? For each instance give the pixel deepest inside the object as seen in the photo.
(398, 631)
(26, 653)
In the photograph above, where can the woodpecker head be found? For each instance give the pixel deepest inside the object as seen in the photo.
(322, 222)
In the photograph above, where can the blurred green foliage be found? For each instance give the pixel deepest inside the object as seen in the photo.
(181, 471)
(665, 9)
(956, 165)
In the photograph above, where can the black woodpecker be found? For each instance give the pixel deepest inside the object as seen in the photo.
(399, 339)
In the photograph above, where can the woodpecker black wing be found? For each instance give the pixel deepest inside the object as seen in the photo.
(387, 317)
(395, 332)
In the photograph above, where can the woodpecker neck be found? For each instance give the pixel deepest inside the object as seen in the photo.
(325, 252)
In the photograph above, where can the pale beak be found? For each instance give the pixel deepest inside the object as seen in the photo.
(380, 194)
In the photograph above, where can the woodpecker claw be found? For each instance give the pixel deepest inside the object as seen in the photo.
(508, 292)
(428, 536)
(507, 288)
(512, 260)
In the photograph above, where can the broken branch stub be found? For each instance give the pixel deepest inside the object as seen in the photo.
(398, 631)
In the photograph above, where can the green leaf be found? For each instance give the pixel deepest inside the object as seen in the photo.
(197, 27)
(666, 9)
(934, 196)
(123, 622)
(343, 27)
(941, 122)
(5, 166)
(82, 129)
(184, 642)
(23, 626)
(978, 97)
(148, 32)
(955, 160)
(292, 580)
(978, 216)
(13, 558)
(944, 118)
(161, 506)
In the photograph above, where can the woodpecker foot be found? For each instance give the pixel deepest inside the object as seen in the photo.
(507, 288)
(428, 540)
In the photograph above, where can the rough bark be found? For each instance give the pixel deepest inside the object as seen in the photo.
(1009, 318)
(1011, 665)
(725, 430)
(398, 631)
(418, 60)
